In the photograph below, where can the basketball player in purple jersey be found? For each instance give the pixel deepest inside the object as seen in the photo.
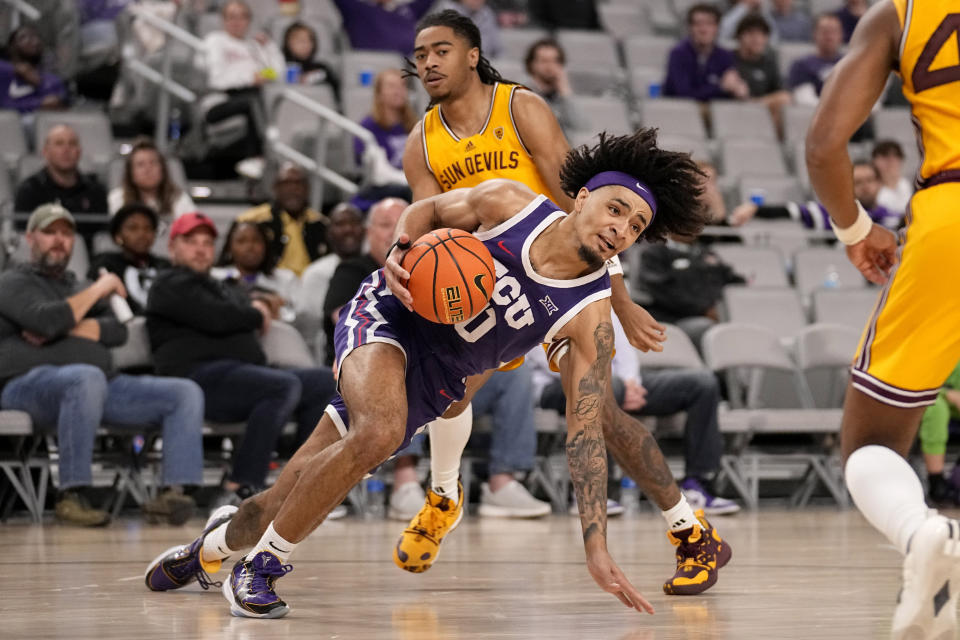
(475, 118)
(394, 364)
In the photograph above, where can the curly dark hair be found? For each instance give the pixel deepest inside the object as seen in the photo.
(674, 178)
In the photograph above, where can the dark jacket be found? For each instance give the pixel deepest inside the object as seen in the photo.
(137, 279)
(32, 301)
(192, 318)
(88, 195)
(344, 284)
(683, 280)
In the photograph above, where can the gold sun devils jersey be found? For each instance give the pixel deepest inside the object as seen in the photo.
(495, 152)
(930, 69)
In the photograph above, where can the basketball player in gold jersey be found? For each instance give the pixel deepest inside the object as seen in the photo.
(913, 336)
(478, 128)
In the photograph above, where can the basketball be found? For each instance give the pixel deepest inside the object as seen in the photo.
(451, 275)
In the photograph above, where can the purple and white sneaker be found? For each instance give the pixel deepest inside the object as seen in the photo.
(249, 589)
(178, 566)
(700, 498)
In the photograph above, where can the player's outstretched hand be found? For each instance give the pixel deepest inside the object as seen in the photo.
(876, 255)
(643, 332)
(611, 579)
(395, 274)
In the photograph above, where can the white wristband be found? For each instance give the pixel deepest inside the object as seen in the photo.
(614, 267)
(857, 231)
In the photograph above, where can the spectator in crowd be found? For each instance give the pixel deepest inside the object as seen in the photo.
(391, 118)
(511, 14)
(934, 433)
(808, 74)
(100, 48)
(571, 14)
(382, 25)
(238, 64)
(895, 189)
(248, 260)
(681, 282)
(206, 330)
(60, 180)
(866, 187)
(58, 27)
(300, 49)
(146, 179)
(546, 65)
(662, 392)
(134, 231)
(484, 17)
(850, 14)
(712, 196)
(697, 67)
(741, 9)
(55, 364)
(24, 85)
(757, 65)
(296, 233)
(792, 24)
(345, 237)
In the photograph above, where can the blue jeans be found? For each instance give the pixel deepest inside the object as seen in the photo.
(266, 399)
(77, 398)
(506, 397)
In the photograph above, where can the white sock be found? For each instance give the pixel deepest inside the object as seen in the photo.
(448, 438)
(275, 544)
(215, 544)
(680, 516)
(887, 491)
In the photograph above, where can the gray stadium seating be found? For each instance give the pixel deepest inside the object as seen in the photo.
(674, 116)
(775, 189)
(624, 20)
(92, 127)
(589, 49)
(14, 142)
(818, 268)
(777, 309)
(741, 157)
(515, 42)
(357, 62)
(761, 266)
(743, 121)
(605, 114)
(651, 52)
(849, 307)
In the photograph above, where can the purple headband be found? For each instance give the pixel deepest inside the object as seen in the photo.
(605, 178)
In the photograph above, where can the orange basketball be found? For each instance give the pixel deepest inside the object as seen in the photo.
(451, 275)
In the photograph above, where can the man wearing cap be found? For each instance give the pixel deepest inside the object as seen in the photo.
(206, 330)
(55, 364)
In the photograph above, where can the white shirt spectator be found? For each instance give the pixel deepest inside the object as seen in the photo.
(233, 63)
(183, 204)
(316, 281)
(896, 200)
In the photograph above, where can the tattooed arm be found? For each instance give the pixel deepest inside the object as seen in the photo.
(585, 372)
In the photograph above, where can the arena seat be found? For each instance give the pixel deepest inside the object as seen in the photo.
(605, 114)
(515, 42)
(849, 307)
(588, 49)
(674, 116)
(623, 20)
(651, 52)
(821, 267)
(92, 127)
(740, 157)
(775, 189)
(743, 121)
(761, 266)
(14, 142)
(775, 308)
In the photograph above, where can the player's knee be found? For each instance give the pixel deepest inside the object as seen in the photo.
(375, 444)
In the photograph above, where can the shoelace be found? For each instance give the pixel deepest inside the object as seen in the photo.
(183, 571)
(264, 577)
(431, 520)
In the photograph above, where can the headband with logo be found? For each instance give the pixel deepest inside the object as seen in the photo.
(606, 178)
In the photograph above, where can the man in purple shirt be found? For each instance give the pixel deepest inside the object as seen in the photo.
(813, 215)
(698, 68)
(808, 74)
(384, 25)
(23, 85)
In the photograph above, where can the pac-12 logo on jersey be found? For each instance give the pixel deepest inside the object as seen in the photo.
(506, 293)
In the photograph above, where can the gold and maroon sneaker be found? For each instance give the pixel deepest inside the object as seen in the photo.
(700, 554)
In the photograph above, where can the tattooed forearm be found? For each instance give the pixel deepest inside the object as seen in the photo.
(586, 452)
(636, 450)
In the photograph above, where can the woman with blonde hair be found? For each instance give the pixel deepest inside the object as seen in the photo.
(391, 117)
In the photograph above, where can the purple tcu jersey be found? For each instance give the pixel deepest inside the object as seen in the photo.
(525, 309)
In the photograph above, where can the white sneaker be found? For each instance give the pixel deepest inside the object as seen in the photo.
(511, 501)
(927, 605)
(699, 498)
(251, 168)
(406, 501)
(614, 508)
(338, 512)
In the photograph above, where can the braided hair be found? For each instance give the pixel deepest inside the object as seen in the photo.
(465, 28)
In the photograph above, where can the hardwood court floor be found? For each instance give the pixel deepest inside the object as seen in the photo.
(817, 573)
